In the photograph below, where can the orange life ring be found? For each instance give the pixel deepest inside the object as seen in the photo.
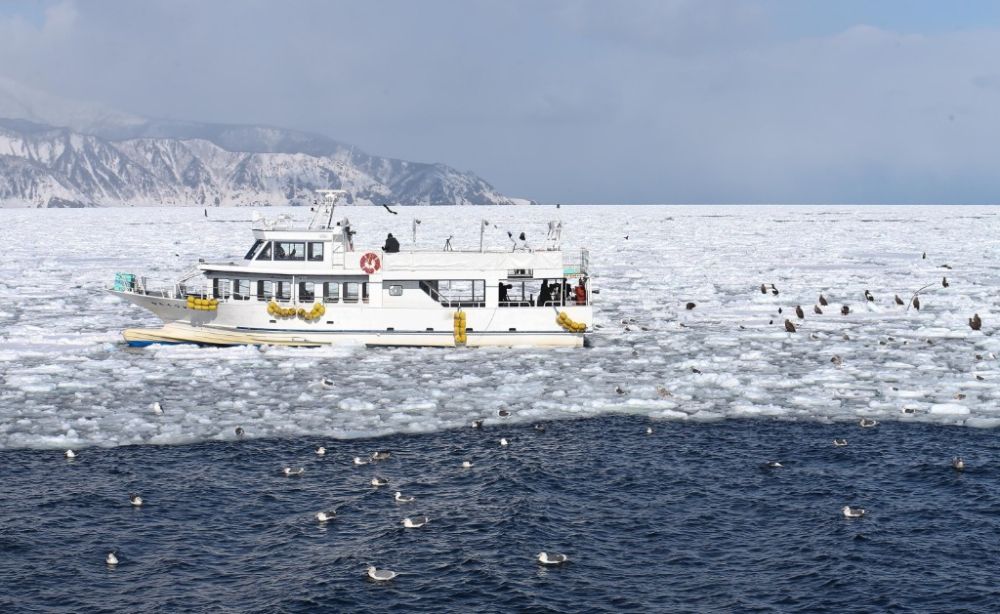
(370, 263)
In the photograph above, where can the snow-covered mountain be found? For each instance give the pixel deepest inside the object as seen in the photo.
(101, 157)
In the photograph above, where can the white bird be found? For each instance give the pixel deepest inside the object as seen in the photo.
(466, 464)
(839, 443)
(503, 442)
(156, 408)
(321, 451)
(381, 455)
(291, 473)
(380, 575)
(415, 523)
(400, 498)
(325, 516)
(360, 461)
(773, 465)
(70, 454)
(958, 464)
(377, 481)
(867, 423)
(649, 430)
(326, 383)
(853, 512)
(552, 559)
(477, 424)
(135, 500)
(111, 559)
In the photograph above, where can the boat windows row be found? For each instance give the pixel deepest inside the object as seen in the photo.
(299, 251)
(281, 291)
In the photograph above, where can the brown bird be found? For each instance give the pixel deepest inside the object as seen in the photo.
(763, 289)
(916, 302)
(822, 300)
(789, 327)
(845, 310)
(816, 309)
(944, 282)
(799, 312)
(690, 306)
(899, 301)
(975, 322)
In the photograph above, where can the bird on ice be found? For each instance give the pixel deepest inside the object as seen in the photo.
(326, 383)
(401, 498)
(326, 516)
(135, 500)
(869, 297)
(321, 451)
(293, 473)
(503, 413)
(477, 424)
(823, 301)
(799, 313)
(546, 558)
(381, 575)
(853, 512)
(240, 432)
(377, 481)
(415, 523)
(975, 322)
(156, 408)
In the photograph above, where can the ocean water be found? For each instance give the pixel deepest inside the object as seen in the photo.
(681, 519)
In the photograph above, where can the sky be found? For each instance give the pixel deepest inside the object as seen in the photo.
(663, 101)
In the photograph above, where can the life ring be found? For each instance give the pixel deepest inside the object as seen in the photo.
(370, 263)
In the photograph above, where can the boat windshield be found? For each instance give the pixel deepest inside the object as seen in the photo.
(256, 244)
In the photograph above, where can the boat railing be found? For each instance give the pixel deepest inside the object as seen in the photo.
(447, 301)
(578, 268)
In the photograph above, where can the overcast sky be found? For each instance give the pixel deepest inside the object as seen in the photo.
(680, 101)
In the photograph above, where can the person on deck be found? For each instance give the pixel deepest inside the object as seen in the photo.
(545, 294)
(503, 298)
(391, 245)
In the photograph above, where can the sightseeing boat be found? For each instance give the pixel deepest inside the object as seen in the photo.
(310, 286)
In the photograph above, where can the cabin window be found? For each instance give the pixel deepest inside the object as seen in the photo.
(241, 289)
(289, 250)
(250, 253)
(331, 292)
(265, 290)
(307, 292)
(533, 292)
(316, 251)
(352, 290)
(220, 288)
(283, 290)
(265, 254)
(395, 290)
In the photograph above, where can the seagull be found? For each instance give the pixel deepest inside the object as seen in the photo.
(293, 473)
(381, 455)
(156, 408)
(853, 512)
(360, 461)
(503, 442)
(503, 413)
(867, 423)
(415, 523)
(70, 454)
(552, 559)
(377, 481)
(326, 383)
(135, 500)
(773, 465)
(400, 498)
(240, 432)
(909, 410)
(326, 516)
(649, 430)
(381, 575)
(958, 464)
(111, 559)
(321, 451)
(763, 289)
(466, 464)
(539, 427)
(839, 443)
(477, 424)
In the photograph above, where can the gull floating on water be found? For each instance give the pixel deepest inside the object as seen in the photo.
(773, 465)
(157, 409)
(400, 498)
(853, 512)
(552, 559)
(503, 413)
(360, 461)
(839, 442)
(70, 454)
(649, 430)
(135, 500)
(377, 481)
(326, 383)
(381, 575)
(292, 473)
(326, 516)
(503, 442)
(958, 464)
(415, 522)
(867, 423)
(321, 451)
(111, 559)
(466, 464)
(381, 455)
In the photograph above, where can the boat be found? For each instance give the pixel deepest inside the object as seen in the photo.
(309, 285)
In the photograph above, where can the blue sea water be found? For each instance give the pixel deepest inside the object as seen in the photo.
(684, 519)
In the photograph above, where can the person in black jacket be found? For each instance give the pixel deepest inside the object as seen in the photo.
(391, 245)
